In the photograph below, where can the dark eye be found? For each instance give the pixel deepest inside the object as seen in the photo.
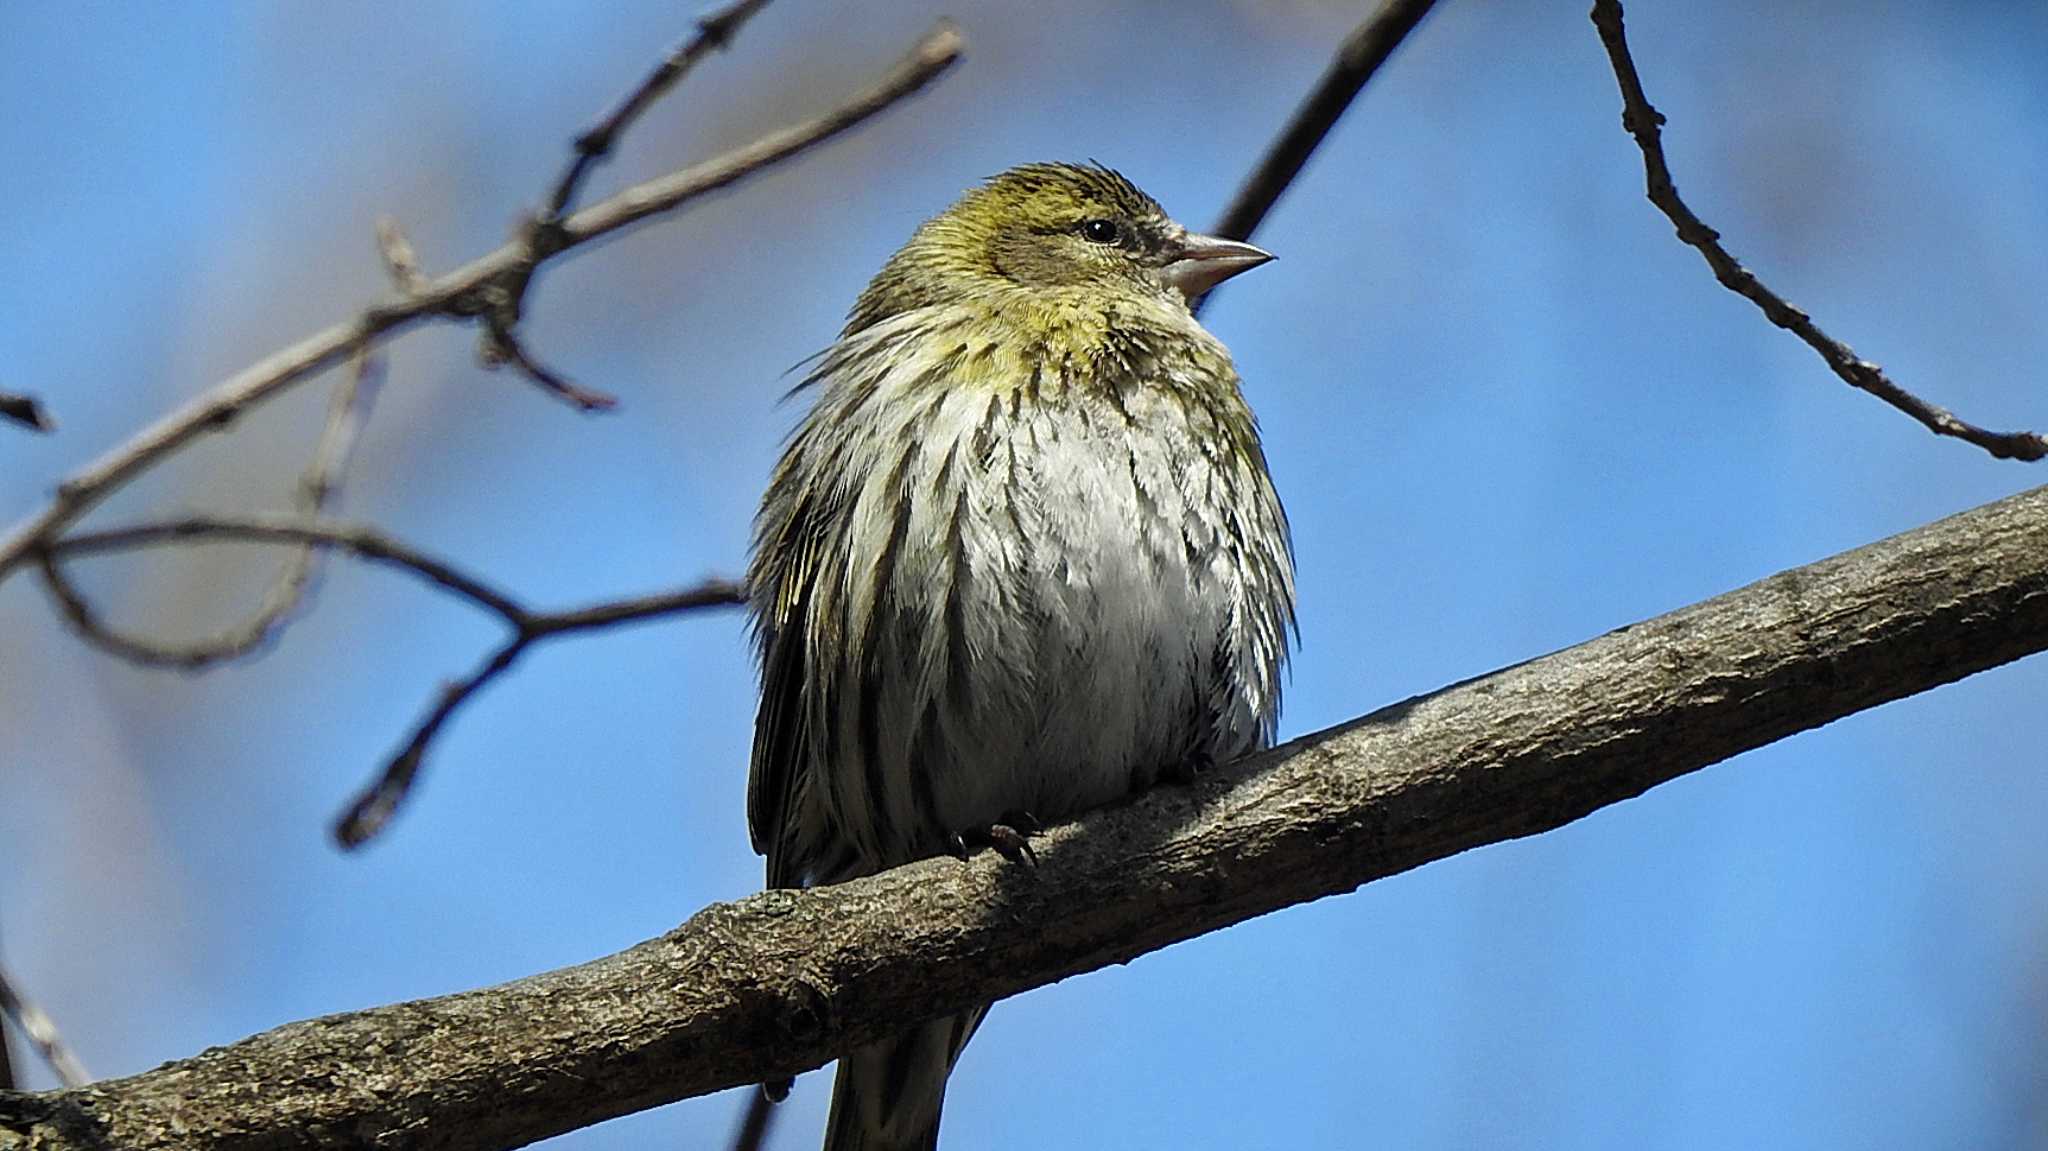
(1101, 231)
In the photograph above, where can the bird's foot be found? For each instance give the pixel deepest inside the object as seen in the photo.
(1010, 836)
(776, 1090)
(1189, 768)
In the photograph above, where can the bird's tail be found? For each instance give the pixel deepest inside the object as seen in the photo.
(887, 1097)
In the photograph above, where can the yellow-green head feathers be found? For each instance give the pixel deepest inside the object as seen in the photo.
(1044, 229)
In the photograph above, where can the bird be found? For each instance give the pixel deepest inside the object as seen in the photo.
(1022, 557)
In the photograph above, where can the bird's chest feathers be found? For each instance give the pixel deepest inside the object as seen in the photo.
(1084, 523)
(1044, 595)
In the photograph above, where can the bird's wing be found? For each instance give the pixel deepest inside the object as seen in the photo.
(797, 594)
(786, 595)
(780, 747)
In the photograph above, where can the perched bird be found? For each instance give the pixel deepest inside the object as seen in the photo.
(1021, 558)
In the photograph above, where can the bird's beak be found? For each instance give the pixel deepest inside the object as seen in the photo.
(1202, 262)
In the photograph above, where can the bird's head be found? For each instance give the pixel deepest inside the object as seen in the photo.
(1053, 228)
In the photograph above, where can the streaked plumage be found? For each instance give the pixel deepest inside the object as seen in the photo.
(1021, 555)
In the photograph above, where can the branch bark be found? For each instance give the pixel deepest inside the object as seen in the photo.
(775, 984)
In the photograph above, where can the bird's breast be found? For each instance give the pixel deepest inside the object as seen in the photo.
(1060, 606)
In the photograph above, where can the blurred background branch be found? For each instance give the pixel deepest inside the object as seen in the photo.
(1363, 51)
(1645, 124)
(26, 411)
(490, 288)
(374, 808)
(317, 487)
(714, 32)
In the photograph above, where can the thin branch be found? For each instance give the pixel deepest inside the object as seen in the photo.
(502, 346)
(370, 811)
(927, 60)
(348, 408)
(373, 809)
(26, 411)
(468, 292)
(41, 1033)
(401, 263)
(1644, 123)
(715, 31)
(777, 983)
(1357, 60)
(364, 542)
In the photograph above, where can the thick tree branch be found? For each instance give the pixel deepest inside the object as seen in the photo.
(1645, 124)
(776, 983)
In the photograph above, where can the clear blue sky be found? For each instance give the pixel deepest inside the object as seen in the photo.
(1506, 409)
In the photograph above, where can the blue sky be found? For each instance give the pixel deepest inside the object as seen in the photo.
(1506, 409)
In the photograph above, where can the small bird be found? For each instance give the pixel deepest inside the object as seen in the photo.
(1020, 559)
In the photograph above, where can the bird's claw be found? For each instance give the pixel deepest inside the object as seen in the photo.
(1010, 836)
(1014, 845)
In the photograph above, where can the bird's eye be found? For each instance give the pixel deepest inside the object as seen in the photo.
(1101, 231)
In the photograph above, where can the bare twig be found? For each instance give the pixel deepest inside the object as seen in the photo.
(26, 411)
(363, 542)
(371, 810)
(1358, 58)
(714, 32)
(779, 982)
(346, 411)
(41, 1033)
(1644, 123)
(468, 292)
(374, 807)
(400, 261)
(926, 61)
(502, 346)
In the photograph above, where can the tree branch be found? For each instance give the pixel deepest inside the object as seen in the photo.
(372, 809)
(1370, 45)
(777, 983)
(368, 814)
(1357, 60)
(26, 411)
(318, 484)
(1644, 123)
(595, 145)
(487, 288)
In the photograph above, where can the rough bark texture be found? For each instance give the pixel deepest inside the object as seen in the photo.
(774, 984)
